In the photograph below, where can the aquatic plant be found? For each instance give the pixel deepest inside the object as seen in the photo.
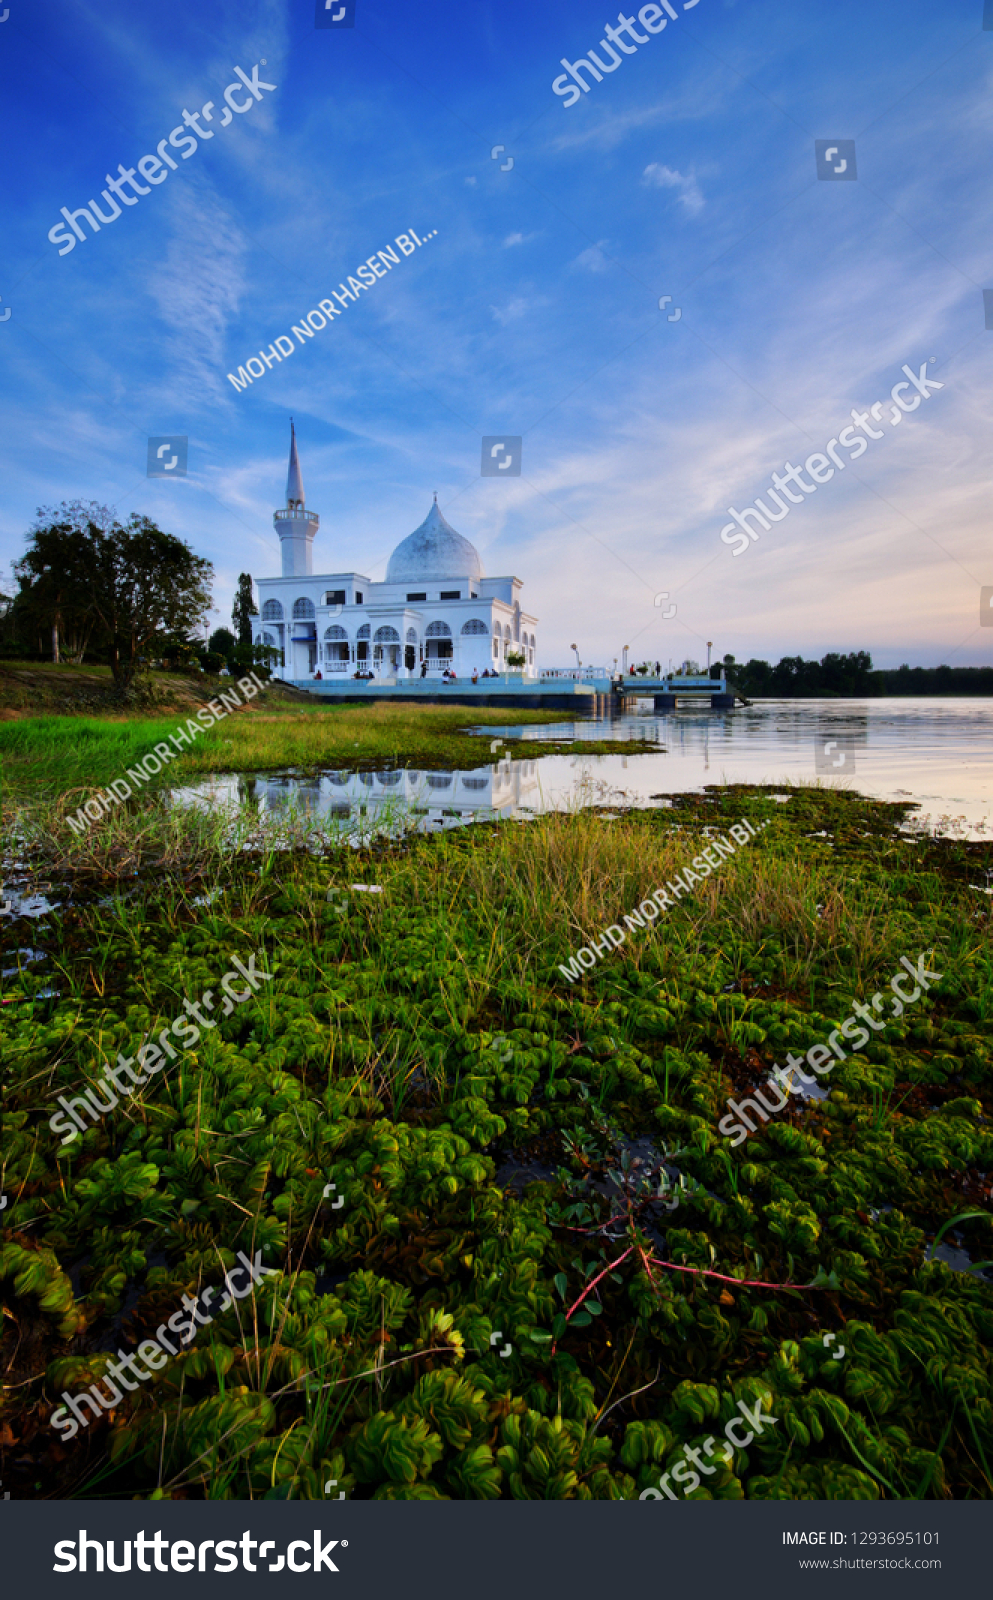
(435, 1331)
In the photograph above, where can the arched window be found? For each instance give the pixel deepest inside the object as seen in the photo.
(365, 632)
(438, 641)
(336, 644)
(475, 783)
(411, 635)
(268, 639)
(272, 611)
(386, 635)
(474, 626)
(303, 611)
(506, 632)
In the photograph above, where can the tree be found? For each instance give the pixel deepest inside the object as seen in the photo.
(222, 641)
(244, 608)
(126, 585)
(52, 579)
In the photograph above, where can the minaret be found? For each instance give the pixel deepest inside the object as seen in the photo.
(295, 525)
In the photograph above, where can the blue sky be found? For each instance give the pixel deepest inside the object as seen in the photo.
(688, 171)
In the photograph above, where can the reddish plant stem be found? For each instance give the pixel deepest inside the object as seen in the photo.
(591, 1286)
(740, 1283)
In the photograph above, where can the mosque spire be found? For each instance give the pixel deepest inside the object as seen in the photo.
(294, 482)
(295, 525)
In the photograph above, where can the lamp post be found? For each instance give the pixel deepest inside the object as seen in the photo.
(579, 664)
(624, 663)
(710, 646)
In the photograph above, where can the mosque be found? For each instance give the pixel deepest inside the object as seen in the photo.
(436, 611)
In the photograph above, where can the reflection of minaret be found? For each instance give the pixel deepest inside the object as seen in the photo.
(295, 525)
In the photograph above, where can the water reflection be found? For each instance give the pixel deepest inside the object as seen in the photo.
(425, 801)
(936, 752)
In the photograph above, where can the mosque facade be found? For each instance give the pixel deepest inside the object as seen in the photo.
(436, 611)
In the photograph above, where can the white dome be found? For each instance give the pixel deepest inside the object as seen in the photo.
(433, 551)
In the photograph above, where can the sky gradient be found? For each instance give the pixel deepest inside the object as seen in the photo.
(688, 171)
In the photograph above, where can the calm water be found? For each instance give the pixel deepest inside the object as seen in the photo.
(938, 753)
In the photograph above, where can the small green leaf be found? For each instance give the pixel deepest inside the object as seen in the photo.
(594, 1308)
(539, 1336)
(559, 1326)
(581, 1320)
(560, 1282)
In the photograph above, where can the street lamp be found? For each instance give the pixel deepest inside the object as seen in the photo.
(710, 646)
(579, 664)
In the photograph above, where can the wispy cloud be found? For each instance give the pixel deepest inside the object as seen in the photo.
(198, 288)
(593, 259)
(657, 176)
(513, 310)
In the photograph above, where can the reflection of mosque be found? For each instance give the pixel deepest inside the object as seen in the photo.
(435, 799)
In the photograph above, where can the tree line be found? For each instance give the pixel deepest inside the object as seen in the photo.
(851, 676)
(91, 588)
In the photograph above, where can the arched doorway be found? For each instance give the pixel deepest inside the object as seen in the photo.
(386, 651)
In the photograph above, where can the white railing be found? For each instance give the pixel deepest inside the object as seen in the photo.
(574, 674)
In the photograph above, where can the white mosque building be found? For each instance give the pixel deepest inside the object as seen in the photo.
(436, 611)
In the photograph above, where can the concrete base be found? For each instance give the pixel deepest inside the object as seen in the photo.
(664, 702)
(577, 698)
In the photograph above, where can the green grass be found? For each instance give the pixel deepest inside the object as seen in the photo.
(69, 758)
(410, 1044)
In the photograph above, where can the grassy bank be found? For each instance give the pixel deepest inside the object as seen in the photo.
(498, 1137)
(69, 758)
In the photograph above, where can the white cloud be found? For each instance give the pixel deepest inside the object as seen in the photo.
(593, 259)
(661, 177)
(198, 287)
(512, 311)
(513, 238)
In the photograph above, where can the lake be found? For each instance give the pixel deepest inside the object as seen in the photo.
(935, 752)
